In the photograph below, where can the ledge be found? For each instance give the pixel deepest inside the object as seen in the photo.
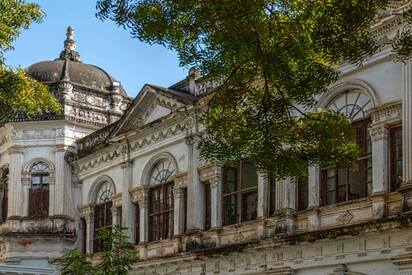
(61, 227)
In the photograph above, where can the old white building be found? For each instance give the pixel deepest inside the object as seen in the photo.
(64, 177)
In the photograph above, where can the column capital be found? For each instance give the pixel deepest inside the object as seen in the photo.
(61, 148)
(88, 212)
(15, 149)
(140, 195)
(193, 138)
(126, 164)
(378, 132)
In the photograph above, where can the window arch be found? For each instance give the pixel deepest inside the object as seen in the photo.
(102, 211)
(345, 184)
(39, 173)
(161, 200)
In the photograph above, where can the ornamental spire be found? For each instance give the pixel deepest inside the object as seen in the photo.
(69, 52)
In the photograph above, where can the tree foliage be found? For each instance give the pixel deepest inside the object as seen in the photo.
(116, 258)
(20, 94)
(275, 57)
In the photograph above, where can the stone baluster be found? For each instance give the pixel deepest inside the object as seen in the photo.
(128, 208)
(16, 188)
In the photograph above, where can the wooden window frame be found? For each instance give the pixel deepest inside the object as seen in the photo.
(272, 194)
(239, 193)
(364, 159)
(393, 175)
(164, 213)
(302, 196)
(137, 224)
(207, 217)
(103, 215)
(39, 192)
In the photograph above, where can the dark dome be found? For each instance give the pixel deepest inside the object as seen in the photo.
(68, 67)
(74, 71)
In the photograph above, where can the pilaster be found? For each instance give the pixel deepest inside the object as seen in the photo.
(379, 138)
(88, 213)
(314, 187)
(407, 125)
(128, 209)
(140, 196)
(57, 190)
(195, 188)
(216, 198)
(15, 205)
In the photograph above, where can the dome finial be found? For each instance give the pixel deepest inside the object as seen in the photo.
(69, 52)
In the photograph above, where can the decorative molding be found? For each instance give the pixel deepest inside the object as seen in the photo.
(345, 217)
(180, 180)
(386, 114)
(139, 195)
(378, 132)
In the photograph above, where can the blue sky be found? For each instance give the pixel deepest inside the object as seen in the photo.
(130, 61)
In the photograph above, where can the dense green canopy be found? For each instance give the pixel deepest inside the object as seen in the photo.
(20, 94)
(274, 57)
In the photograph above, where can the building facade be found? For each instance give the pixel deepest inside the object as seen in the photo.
(110, 160)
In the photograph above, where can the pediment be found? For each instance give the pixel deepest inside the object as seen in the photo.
(151, 105)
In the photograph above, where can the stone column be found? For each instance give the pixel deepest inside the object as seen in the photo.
(57, 188)
(263, 196)
(262, 207)
(314, 197)
(194, 187)
(140, 195)
(216, 198)
(286, 203)
(379, 138)
(88, 213)
(407, 124)
(314, 187)
(16, 188)
(128, 208)
(179, 211)
(115, 215)
(380, 166)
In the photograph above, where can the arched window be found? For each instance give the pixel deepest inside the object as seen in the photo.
(239, 192)
(344, 184)
(39, 190)
(102, 211)
(161, 202)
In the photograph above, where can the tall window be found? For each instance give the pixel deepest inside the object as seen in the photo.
(343, 184)
(137, 224)
(102, 212)
(161, 203)
(302, 193)
(4, 192)
(207, 207)
(395, 156)
(39, 190)
(239, 193)
(272, 195)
